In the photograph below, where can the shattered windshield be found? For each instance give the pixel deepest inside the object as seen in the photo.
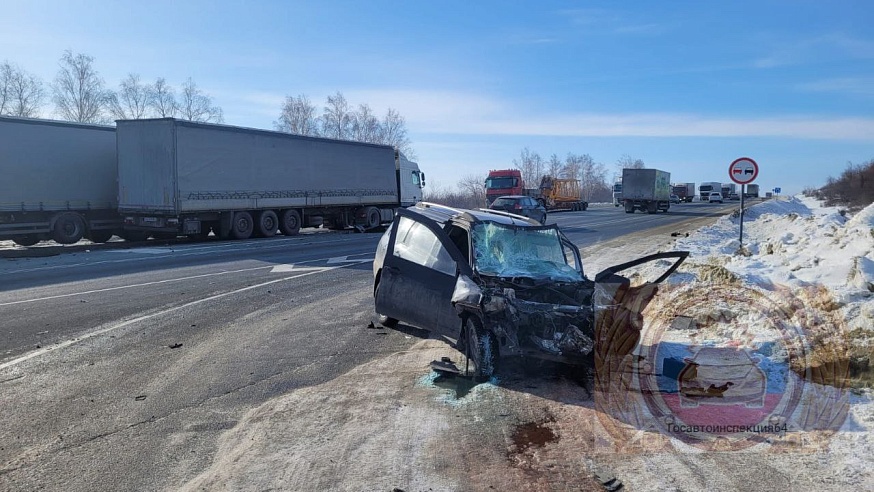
(508, 251)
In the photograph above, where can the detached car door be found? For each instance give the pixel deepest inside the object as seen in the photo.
(418, 275)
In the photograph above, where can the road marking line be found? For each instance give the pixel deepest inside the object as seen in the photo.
(62, 345)
(275, 269)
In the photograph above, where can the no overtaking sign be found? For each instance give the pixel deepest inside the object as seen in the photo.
(743, 171)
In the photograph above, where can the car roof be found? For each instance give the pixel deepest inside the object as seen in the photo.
(443, 214)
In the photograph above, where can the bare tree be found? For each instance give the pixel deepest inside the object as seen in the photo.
(628, 162)
(471, 186)
(194, 105)
(337, 117)
(394, 132)
(365, 126)
(531, 166)
(298, 116)
(162, 99)
(21, 94)
(554, 167)
(132, 100)
(79, 92)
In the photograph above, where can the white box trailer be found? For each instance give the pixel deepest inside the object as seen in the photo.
(181, 177)
(646, 190)
(59, 181)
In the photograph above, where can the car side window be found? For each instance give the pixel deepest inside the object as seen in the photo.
(416, 243)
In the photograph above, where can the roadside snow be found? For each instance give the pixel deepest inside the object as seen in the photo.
(796, 243)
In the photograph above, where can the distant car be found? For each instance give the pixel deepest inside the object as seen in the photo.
(521, 205)
(675, 199)
(734, 196)
(715, 197)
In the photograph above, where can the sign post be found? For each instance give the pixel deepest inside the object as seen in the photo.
(743, 171)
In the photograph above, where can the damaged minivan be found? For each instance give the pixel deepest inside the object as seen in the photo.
(497, 284)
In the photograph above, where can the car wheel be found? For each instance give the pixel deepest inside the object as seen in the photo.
(480, 349)
(382, 319)
(26, 240)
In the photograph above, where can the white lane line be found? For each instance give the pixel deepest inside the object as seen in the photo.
(120, 287)
(275, 269)
(62, 345)
(200, 251)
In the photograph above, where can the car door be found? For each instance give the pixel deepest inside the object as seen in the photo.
(419, 274)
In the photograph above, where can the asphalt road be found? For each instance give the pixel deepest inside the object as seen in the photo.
(119, 368)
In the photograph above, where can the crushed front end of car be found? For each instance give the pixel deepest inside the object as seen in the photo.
(526, 292)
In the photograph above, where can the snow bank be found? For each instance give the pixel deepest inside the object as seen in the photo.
(797, 243)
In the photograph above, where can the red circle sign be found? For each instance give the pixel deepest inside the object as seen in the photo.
(743, 171)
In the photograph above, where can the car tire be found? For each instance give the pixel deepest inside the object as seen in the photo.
(480, 349)
(382, 319)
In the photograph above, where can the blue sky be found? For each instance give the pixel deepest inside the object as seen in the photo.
(687, 86)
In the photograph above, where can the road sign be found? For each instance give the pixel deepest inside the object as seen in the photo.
(743, 171)
(777, 190)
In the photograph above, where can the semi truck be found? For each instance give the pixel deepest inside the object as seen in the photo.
(553, 193)
(708, 187)
(617, 193)
(752, 191)
(728, 189)
(59, 181)
(179, 177)
(646, 190)
(684, 191)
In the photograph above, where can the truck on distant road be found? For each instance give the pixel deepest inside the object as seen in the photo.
(617, 193)
(59, 181)
(708, 187)
(179, 177)
(728, 189)
(553, 193)
(684, 191)
(646, 190)
(752, 191)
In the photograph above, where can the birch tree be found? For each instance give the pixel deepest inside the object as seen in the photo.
(21, 94)
(132, 100)
(337, 117)
(163, 99)
(79, 93)
(298, 116)
(195, 105)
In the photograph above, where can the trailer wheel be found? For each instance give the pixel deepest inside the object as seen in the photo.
(585, 206)
(26, 240)
(100, 235)
(242, 226)
(69, 228)
(629, 208)
(268, 223)
(372, 218)
(289, 224)
(652, 207)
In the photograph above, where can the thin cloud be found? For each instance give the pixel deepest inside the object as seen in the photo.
(858, 86)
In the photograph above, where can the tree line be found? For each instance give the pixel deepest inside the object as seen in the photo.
(854, 188)
(596, 187)
(340, 120)
(79, 93)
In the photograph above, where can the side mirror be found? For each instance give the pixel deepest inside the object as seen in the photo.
(422, 178)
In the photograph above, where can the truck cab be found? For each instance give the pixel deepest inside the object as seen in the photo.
(411, 181)
(503, 182)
